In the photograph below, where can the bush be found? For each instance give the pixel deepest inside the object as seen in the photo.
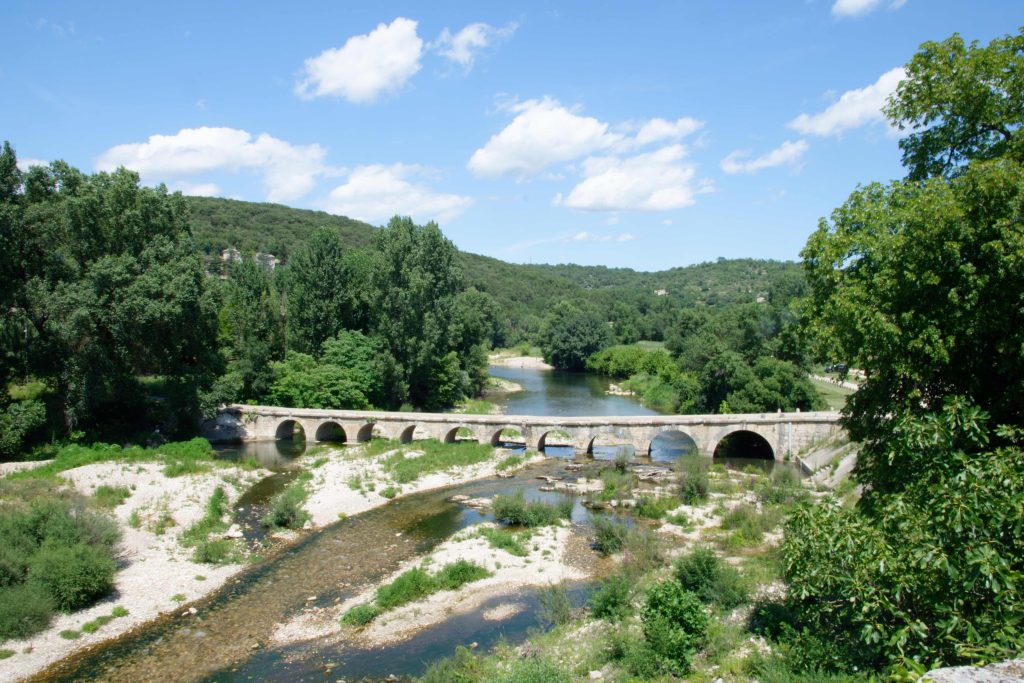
(515, 509)
(286, 510)
(555, 606)
(611, 599)
(609, 534)
(217, 551)
(409, 586)
(110, 496)
(693, 480)
(705, 575)
(512, 543)
(644, 549)
(74, 576)
(457, 574)
(462, 667)
(674, 623)
(360, 615)
(782, 488)
(534, 670)
(18, 421)
(25, 609)
(635, 655)
(655, 507)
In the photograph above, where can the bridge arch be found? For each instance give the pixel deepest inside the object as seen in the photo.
(670, 444)
(453, 436)
(554, 436)
(608, 444)
(331, 431)
(406, 435)
(289, 430)
(514, 435)
(365, 432)
(743, 443)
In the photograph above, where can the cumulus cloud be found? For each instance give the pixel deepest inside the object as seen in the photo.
(658, 130)
(543, 133)
(854, 108)
(656, 181)
(288, 171)
(856, 8)
(789, 153)
(378, 192)
(366, 66)
(463, 47)
(27, 163)
(196, 189)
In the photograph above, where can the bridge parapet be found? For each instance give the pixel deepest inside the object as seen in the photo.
(784, 432)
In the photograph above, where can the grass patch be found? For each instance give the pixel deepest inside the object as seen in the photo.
(509, 462)
(413, 585)
(692, 479)
(704, 574)
(197, 536)
(748, 526)
(436, 457)
(389, 492)
(509, 541)
(178, 597)
(180, 457)
(653, 507)
(110, 496)
(475, 406)
(609, 534)
(70, 634)
(617, 483)
(286, 511)
(119, 612)
(5, 653)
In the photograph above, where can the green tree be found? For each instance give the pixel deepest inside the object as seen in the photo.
(327, 291)
(961, 103)
(570, 335)
(252, 331)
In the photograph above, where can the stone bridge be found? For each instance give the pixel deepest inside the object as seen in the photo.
(784, 433)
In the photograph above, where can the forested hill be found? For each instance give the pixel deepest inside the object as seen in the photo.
(524, 292)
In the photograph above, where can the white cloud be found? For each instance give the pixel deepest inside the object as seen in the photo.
(657, 130)
(27, 163)
(656, 181)
(366, 66)
(288, 171)
(463, 47)
(196, 189)
(543, 133)
(856, 8)
(584, 236)
(854, 108)
(788, 153)
(378, 192)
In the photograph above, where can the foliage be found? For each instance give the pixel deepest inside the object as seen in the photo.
(110, 496)
(655, 507)
(180, 457)
(674, 623)
(961, 102)
(534, 670)
(622, 361)
(693, 479)
(409, 586)
(509, 463)
(286, 510)
(934, 574)
(75, 575)
(207, 550)
(704, 574)
(611, 599)
(515, 509)
(18, 421)
(555, 606)
(609, 534)
(25, 609)
(456, 574)
(570, 335)
(414, 584)
(360, 615)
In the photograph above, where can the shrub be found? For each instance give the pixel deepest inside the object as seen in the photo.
(74, 576)
(455, 575)
(515, 509)
(655, 507)
(535, 670)
(286, 510)
(609, 534)
(782, 488)
(555, 606)
(216, 551)
(24, 609)
(118, 612)
(409, 586)
(461, 667)
(5, 653)
(674, 623)
(611, 599)
(389, 492)
(748, 524)
(509, 462)
(693, 479)
(635, 655)
(705, 575)
(360, 615)
(644, 549)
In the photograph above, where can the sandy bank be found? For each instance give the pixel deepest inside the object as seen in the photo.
(546, 563)
(520, 362)
(153, 567)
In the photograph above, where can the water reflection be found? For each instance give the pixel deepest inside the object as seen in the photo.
(570, 394)
(274, 455)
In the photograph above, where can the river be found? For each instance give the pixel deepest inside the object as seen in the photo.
(228, 640)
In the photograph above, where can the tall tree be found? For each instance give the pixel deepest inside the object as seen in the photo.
(570, 335)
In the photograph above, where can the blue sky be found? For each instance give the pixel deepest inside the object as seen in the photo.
(644, 134)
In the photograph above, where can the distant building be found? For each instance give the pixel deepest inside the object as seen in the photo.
(661, 292)
(231, 255)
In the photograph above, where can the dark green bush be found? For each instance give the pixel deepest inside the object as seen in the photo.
(693, 479)
(24, 609)
(609, 534)
(461, 667)
(611, 599)
(411, 585)
(286, 510)
(360, 615)
(515, 509)
(674, 623)
(704, 574)
(74, 576)
(635, 655)
(457, 574)
(510, 542)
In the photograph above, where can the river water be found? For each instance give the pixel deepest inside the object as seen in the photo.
(228, 640)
